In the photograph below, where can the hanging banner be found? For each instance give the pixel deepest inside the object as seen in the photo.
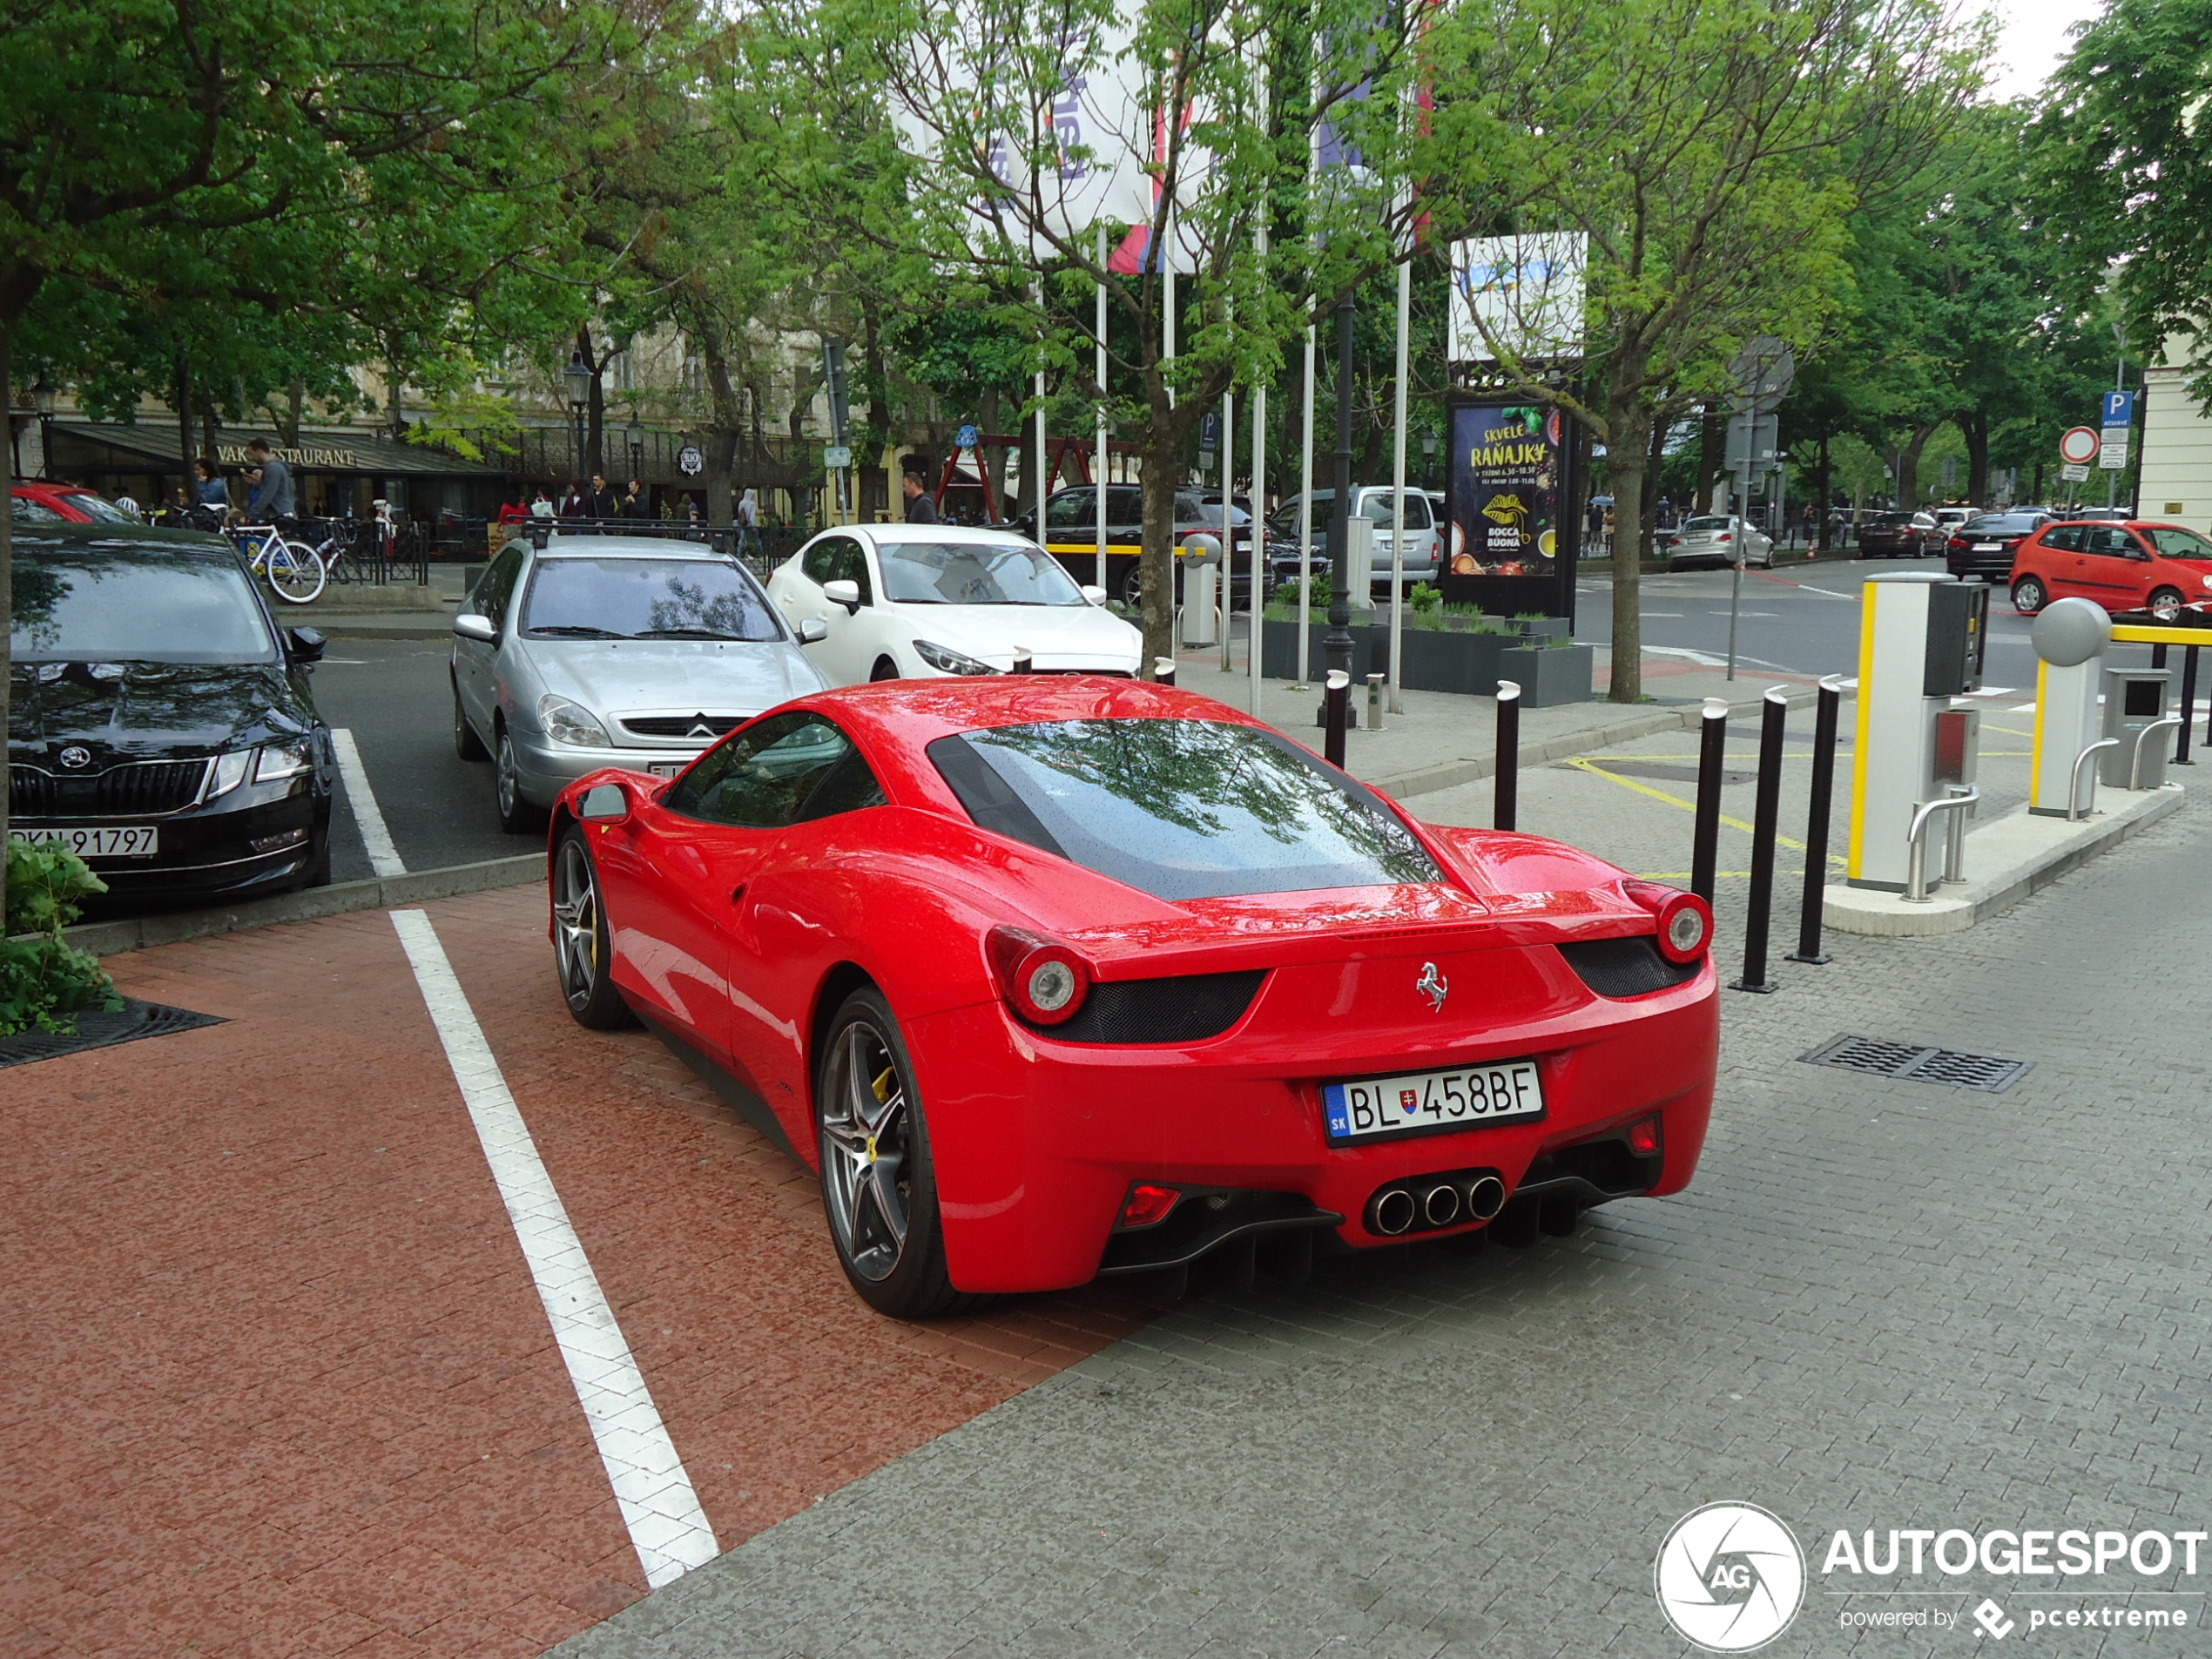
(1519, 294)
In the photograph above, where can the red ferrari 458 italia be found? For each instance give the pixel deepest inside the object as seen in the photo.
(1053, 977)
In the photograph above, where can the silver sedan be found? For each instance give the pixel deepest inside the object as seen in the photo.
(607, 650)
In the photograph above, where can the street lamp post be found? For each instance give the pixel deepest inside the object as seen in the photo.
(42, 402)
(576, 380)
(1337, 644)
(1428, 452)
(636, 433)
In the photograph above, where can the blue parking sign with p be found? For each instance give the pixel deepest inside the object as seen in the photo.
(2119, 409)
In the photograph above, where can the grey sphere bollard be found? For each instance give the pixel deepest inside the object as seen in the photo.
(2068, 632)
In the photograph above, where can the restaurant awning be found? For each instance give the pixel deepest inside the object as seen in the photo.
(326, 450)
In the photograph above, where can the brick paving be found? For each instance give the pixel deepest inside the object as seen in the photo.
(1883, 1304)
(276, 1378)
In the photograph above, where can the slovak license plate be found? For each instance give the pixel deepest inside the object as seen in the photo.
(136, 842)
(1989, 547)
(1372, 1108)
(665, 768)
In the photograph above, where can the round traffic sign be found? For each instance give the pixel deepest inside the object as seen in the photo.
(2079, 445)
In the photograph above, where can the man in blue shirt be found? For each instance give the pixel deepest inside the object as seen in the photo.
(272, 481)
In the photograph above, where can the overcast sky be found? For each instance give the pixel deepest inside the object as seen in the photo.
(2032, 40)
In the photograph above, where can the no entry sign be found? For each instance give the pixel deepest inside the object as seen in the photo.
(2078, 446)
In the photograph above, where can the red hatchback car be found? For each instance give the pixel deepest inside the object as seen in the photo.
(2128, 566)
(1048, 978)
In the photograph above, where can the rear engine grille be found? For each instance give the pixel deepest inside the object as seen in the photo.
(1607, 1165)
(681, 725)
(1630, 967)
(1987, 1074)
(138, 789)
(1185, 1008)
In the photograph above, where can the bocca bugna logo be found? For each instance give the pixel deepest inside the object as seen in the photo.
(1729, 1577)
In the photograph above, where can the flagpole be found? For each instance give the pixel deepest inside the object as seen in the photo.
(1398, 496)
(1098, 481)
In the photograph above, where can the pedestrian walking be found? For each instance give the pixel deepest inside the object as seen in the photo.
(749, 524)
(576, 503)
(208, 489)
(271, 481)
(542, 504)
(603, 503)
(633, 501)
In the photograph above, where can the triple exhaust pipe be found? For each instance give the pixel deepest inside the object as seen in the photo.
(1424, 1203)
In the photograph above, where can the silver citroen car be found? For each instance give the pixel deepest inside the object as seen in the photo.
(611, 651)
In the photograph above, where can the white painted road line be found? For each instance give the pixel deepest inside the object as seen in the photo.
(667, 1527)
(383, 857)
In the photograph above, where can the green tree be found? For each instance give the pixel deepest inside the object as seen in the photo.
(1714, 179)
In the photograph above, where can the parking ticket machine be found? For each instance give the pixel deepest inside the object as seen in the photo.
(1923, 635)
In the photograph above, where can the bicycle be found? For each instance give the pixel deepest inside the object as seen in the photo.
(340, 551)
(294, 570)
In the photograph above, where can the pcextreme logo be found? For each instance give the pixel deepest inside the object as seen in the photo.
(1729, 1577)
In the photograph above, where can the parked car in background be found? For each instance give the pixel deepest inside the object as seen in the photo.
(2135, 566)
(1948, 519)
(40, 503)
(1071, 534)
(1424, 533)
(2097, 514)
(160, 725)
(1718, 541)
(1984, 545)
(1896, 535)
(609, 651)
(924, 601)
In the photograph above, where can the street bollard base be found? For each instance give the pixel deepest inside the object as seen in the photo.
(1767, 989)
(1351, 717)
(1809, 961)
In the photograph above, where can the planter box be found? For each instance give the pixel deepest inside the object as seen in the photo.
(1279, 650)
(1550, 676)
(1446, 660)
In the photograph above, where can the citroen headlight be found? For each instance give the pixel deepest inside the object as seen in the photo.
(230, 772)
(950, 662)
(568, 723)
(281, 760)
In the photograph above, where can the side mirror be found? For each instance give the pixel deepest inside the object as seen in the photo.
(812, 631)
(469, 625)
(305, 644)
(844, 593)
(604, 803)
(1093, 596)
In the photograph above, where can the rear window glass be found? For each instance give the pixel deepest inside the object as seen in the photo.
(1699, 526)
(1181, 809)
(2002, 523)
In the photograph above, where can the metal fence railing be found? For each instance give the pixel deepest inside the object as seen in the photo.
(760, 550)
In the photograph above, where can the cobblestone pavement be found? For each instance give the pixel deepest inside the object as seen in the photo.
(1884, 1304)
(275, 1378)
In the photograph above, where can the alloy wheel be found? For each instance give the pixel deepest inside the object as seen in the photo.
(864, 1152)
(575, 924)
(508, 784)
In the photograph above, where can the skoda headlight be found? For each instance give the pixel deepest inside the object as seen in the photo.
(230, 767)
(950, 662)
(281, 760)
(566, 722)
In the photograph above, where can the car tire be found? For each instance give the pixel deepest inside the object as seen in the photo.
(878, 1182)
(885, 669)
(2165, 603)
(516, 815)
(2030, 596)
(318, 871)
(466, 743)
(582, 951)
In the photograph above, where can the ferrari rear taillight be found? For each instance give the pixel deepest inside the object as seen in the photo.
(1045, 981)
(1685, 920)
(1643, 1138)
(1147, 1204)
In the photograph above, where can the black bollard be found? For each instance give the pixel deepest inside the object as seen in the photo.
(1824, 786)
(1705, 844)
(2188, 705)
(1023, 662)
(1506, 811)
(1766, 823)
(1164, 671)
(2158, 655)
(1336, 700)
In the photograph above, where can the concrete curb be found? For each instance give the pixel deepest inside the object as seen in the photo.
(112, 938)
(2031, 853)
(1429, 780)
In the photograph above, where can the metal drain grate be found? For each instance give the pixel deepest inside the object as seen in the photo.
(98, 1029)
(1987, 1073)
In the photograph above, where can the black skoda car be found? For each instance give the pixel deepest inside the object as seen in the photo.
(159, 723)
